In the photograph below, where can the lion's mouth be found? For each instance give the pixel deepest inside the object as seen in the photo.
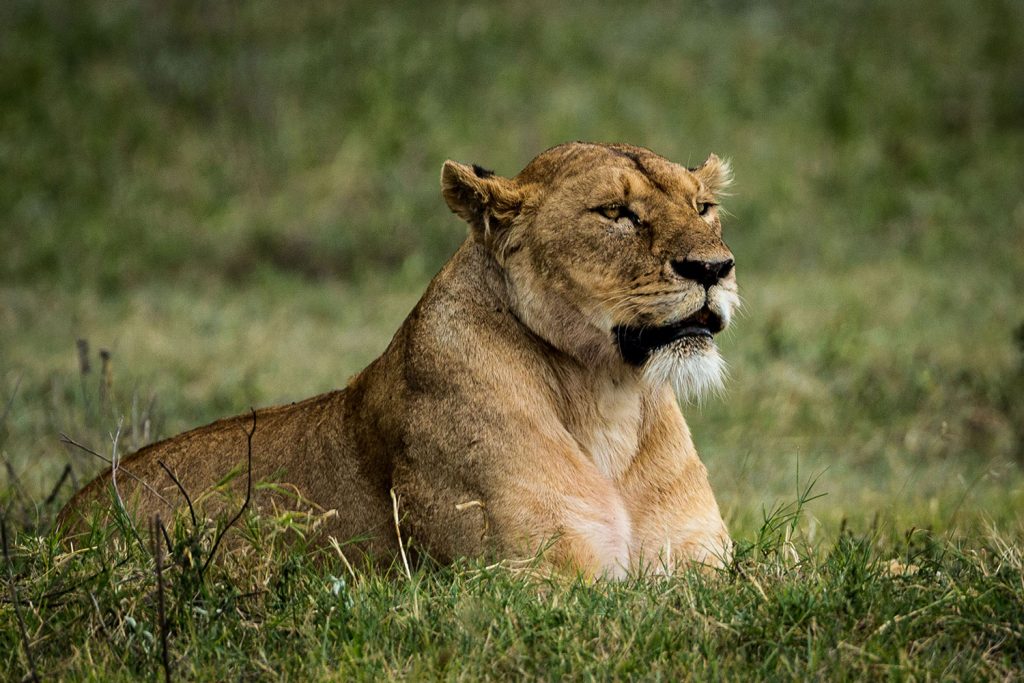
(637, 343)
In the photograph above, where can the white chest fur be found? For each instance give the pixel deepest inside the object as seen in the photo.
(609, 428)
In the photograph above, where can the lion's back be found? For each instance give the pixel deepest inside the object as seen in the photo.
(302, 447)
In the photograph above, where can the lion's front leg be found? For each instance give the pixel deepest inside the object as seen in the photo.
(545, 498)
(586, 534)
(676, 520)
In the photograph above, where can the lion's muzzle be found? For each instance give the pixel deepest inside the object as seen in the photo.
(636, 344)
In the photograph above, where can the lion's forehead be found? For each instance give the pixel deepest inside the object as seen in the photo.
(651, 195)
(602, 170)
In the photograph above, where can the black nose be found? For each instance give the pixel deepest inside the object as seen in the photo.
(707, 273)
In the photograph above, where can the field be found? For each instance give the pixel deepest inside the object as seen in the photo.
(210, 206)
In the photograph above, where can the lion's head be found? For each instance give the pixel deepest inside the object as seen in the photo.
(612, 254)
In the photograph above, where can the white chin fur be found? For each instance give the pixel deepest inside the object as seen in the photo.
(693, 373)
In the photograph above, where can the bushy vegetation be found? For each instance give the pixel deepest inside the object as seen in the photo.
(238, 203)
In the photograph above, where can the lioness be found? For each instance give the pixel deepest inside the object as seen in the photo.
(529, 399)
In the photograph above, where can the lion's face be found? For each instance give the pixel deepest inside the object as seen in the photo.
(614, 255)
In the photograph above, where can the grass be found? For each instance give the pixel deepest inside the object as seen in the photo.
(863, 605)
(240, 205)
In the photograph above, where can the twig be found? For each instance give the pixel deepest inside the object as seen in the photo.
(11, 474)
(405, 561)
(167, 540)
(10, 401)
(913, 613)
(344, 560)
(245, 504)
(16, 485)
(106, 379)
(83, 356)
(83, 369)
(60, 482)
(181, 488)
(146, 423)
(398, 531)
(64, 438)
(33, 676)
(158, 555)
(46, 598)
(99, 614)
(115, 460)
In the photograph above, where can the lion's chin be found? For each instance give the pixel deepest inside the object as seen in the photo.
(692, 366)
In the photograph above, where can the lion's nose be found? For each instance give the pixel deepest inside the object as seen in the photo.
(707, 273)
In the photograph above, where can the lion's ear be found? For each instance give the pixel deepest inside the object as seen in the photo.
(486, 201)
(715, 173)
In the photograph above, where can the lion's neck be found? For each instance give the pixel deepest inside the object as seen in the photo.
(610, 431)
(600, 401)
(604, 411)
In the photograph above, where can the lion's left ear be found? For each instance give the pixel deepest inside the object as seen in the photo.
(486, 201)
(715, 173)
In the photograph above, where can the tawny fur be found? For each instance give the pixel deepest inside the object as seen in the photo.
(502, 413)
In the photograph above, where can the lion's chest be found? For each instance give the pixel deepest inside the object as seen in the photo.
(609, 428)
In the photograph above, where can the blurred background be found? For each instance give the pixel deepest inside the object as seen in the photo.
(238, 203)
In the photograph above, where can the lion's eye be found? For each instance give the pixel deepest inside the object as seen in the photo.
(616, 211)
(704, 207)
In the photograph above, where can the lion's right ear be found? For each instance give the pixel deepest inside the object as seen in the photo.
(716, 174)
(486, 201)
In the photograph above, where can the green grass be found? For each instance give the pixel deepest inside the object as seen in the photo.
(861, 606)
(241, 203)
